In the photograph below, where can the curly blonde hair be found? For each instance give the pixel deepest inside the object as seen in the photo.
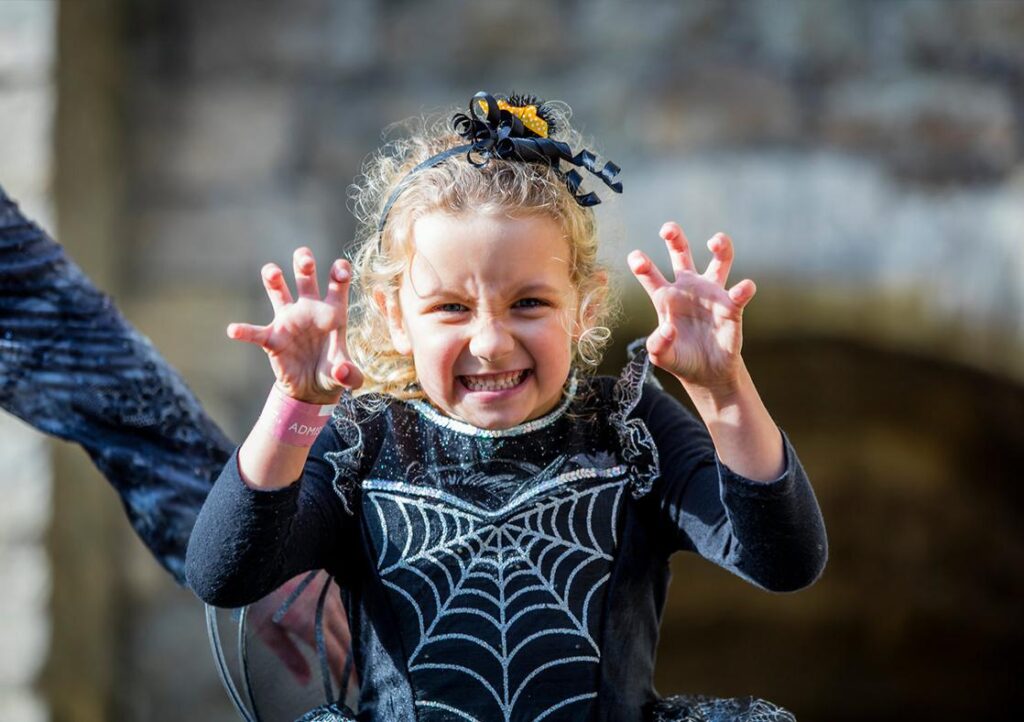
(457, 187)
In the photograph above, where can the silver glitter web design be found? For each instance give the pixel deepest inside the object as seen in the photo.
(484, 584)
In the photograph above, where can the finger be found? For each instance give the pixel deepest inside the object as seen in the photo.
(337, 287)
(660, 341)
(259, 335)
(274, 283)
(277, 639)
(720, 246)
(678, 248)
(337, 653)
(304, 266)
(742, 292)
(347, 374)
(646, 272)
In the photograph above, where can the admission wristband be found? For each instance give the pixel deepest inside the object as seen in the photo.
(294, 422)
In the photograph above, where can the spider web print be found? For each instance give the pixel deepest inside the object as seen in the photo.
(500, 608)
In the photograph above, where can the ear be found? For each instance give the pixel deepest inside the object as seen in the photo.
(392, 310)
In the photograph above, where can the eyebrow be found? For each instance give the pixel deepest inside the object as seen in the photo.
(529, 289)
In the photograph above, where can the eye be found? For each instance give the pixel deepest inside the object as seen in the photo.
(530, 303)
(450, 308)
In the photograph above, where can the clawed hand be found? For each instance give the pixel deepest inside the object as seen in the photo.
(306, 339)
(700, 331)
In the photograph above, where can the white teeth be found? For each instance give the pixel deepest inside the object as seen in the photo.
(493, 382)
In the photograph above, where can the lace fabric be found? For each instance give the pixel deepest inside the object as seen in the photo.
(699, 708)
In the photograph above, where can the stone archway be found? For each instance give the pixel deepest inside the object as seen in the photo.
(916, 462)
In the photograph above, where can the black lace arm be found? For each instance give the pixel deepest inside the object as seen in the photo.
(72, 367)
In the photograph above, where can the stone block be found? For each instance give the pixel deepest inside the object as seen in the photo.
(26, 484)
(23, 705)
(211, 136)
(27, 29)
(667, 29)
(932, 128)
(26, 120)
(24, 628)
(187, 325)
(964, 34)
(303, 38)
(839, 227)
(715, 106)
(225, 241)
(817, 37)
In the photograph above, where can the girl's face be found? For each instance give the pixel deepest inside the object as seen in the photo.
(484, 307)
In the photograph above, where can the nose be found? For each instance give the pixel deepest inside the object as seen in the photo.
(491, 340)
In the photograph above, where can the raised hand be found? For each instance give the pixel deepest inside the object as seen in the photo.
(700, 330)
(306, 339)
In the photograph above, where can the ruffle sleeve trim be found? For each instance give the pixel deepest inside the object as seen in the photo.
(638, 448)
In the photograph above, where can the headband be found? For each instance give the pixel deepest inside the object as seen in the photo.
(513, 129)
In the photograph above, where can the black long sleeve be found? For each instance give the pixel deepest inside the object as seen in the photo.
(769, 533)
(246, 542)
(72, 367)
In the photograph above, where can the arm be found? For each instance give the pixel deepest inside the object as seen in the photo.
(72, 367)
(247, 541)
(698, 340)
(273, 512)
(769, 533)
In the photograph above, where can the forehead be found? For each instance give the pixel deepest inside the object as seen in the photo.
(477, 250)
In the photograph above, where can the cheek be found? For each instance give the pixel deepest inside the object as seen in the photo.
(435, 356)
(554, 341)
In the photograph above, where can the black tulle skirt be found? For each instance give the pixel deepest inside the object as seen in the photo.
(677, 708)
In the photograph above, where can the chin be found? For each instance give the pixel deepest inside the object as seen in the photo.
(494, 422)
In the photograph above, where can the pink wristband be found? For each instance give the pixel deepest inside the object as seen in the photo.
(294, 422)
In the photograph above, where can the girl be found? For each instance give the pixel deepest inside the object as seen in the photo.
(500, 524)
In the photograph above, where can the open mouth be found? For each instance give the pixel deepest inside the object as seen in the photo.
(495, 382)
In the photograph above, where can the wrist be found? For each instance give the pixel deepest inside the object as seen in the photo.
(292, 421)
(721, 393)
(308, 397)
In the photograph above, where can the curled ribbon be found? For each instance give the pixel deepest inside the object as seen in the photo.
(499, 132)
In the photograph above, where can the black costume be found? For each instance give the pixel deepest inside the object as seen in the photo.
(72, 367)
(508, 575)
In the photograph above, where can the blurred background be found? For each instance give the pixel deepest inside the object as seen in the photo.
(866, 157)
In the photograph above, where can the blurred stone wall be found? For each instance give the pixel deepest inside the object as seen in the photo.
(866, 158)
(27, 98)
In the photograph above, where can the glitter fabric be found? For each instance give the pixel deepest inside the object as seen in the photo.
(518, 576)
(506, 577)
(433, 415)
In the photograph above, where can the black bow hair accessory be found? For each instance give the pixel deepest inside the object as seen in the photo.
(517, 129)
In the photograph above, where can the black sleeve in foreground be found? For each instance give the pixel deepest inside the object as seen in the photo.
(74, 368)
(770, 533)
(247, 542)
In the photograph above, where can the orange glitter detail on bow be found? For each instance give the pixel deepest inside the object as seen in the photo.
(526, 113)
